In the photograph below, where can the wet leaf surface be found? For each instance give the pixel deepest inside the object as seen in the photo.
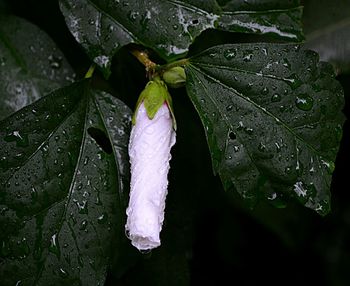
(169, 27)
(31, 65)
(273, 120)
(64, 172)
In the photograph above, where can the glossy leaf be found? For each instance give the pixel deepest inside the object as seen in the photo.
(102, 27)
(327, 30)
(273, 120)
(64, 170)
(280, 19)
(31, 65)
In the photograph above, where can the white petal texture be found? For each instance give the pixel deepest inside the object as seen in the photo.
(149, 150)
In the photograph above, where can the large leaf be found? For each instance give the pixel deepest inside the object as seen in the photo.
(273, 121)
(102, 27)
(327, 30)
(63, 171)
(31, 65)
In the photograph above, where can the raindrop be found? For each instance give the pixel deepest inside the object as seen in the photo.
(20, 138)
(278, 147)
(86, 160)
(55, 62)
(175, 27)
(248, 130)
(54, 246)
(240, 125)
(33, 193)
(276, 97)
(261, 147)
(293, 81)
(328, 165)
(83, 225)
(133, 15)
(248, 56)
(19, 155)
(63, 273)
(102, 218)
(83, 207)
(232, 135)
(304, 102)
(286, 64)
(265, 91)
(229, 54)
(229, 107)
(272, 196)
(2, 61)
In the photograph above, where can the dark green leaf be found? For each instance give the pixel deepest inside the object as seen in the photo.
(280, 19)
(102, 27)
(30, 65)
(63, 171)
(327, 30)
(273, 121)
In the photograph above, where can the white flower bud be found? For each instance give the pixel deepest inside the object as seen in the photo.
(149, 150)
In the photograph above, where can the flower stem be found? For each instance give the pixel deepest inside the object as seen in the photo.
(152, 68)
(179, 63)
(144, 59)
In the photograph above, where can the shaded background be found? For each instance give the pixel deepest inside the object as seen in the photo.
(209, 236)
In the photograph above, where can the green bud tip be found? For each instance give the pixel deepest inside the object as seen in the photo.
(153, 97)
(175, 77)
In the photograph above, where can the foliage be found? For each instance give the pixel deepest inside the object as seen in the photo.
(270, 110)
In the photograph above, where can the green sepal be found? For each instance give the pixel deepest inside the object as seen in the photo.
(175, 77)
(153, 96)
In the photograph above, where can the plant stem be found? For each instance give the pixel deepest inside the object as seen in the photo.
(143, 58)
(152, 68)
(178, 63)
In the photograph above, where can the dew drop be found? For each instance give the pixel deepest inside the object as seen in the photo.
(265, 91)
(304, 102)
(229, 54)
(248, 130)
(276, 97)
(261, 147)
(63, 273)
(18, 137)
(2, 61)
(54, 246)
(102, 218)
(33, 193)
(248, 56)
(133, 15)
(229, 107)
(83, 225)
(55, 62)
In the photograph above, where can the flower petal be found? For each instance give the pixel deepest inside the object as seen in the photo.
(149, 150)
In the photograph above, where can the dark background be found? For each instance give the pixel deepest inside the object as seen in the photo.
(209, 236)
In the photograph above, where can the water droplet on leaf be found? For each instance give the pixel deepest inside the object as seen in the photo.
(304, 102)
